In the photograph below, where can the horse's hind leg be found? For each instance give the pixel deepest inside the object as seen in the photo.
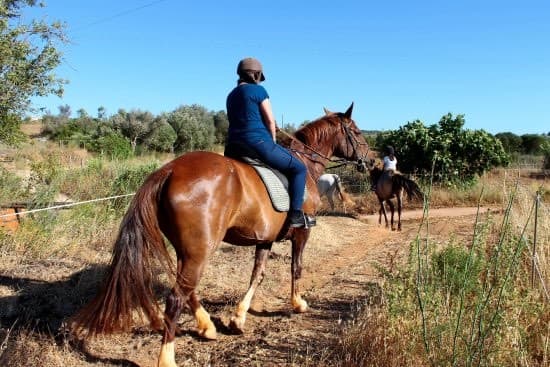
(399, 207)
(188, 276)
(191, 274)
(330, 198)
(174, 306)
(238, 319)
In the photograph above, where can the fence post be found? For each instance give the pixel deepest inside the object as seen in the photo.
(537, 200)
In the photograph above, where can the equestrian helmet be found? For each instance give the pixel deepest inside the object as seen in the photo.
(249, 67)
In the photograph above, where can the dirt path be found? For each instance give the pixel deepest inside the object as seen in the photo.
(339, 275)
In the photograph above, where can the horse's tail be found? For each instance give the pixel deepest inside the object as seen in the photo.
(411, 188)
(128, 286)
(342, 192)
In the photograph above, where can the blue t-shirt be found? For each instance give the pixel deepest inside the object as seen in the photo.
(244, 115)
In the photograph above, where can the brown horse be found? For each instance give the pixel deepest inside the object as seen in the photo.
(197, 201)
(389, 185)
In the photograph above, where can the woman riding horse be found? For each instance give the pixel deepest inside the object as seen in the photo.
(197, 201)
(251, 123)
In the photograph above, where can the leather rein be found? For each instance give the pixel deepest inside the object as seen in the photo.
(351, 139)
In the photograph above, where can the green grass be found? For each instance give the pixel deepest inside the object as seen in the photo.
(462, 304)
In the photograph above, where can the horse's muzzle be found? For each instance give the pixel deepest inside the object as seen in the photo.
(361, 166)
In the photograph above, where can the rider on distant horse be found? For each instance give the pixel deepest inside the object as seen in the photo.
(251, 122)
(390, 165)
(390, 162)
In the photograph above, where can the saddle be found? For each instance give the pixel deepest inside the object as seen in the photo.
(275, 181)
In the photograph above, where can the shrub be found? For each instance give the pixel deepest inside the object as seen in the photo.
(128, 181)
(456, 271)
(113, 146)
(453, 153)
(11, 187)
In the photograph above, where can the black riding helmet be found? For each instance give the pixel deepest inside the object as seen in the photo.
(250, 70)
(389, 150)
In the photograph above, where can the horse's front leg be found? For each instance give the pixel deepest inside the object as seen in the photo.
(238, 319)
(382, 211)
(392, 208)
(299, 240)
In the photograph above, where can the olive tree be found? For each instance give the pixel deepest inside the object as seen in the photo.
(221, 123)
(134, 125)
(194, 127)
(28, 56)
(160, 136)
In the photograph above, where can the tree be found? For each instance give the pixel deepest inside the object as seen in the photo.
(221, 123)
(454, 153)
(532, 143)
(510, 141)
(10, 133)
(134, 125)
(28, 56)
(194, 127)
(546, 151)
(82, 113)
(160, 136)
(101, 112)
(65, 111)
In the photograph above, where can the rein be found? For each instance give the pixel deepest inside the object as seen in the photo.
(342, 161)
(315, 152)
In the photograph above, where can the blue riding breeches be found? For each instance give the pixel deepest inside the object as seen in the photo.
(294, 169)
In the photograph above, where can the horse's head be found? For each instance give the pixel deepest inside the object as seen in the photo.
(370, 163)
(349, 142)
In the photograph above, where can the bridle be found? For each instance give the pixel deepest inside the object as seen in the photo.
(350, 139)
(355, 145)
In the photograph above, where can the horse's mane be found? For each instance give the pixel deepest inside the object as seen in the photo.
(319, 128)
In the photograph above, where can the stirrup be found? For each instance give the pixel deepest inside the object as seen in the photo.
(311, 221)
(296, 219)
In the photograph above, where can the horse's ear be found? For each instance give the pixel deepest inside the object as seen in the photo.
(348, 112)
(327, 112)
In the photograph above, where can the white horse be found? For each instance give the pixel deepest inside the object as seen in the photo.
(328, 185)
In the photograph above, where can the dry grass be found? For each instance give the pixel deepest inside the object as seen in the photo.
(381, 336)
(52, 271)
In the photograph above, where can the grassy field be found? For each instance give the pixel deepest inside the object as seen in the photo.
(460, 303)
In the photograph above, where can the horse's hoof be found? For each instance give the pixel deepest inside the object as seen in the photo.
(300, 306)
(166, 364)
(167, 357)
(236, 325)
(209, 334)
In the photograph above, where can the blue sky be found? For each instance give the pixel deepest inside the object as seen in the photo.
(398, 61)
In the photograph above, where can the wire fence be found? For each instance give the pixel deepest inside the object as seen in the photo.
(61, 206)
(538, 237)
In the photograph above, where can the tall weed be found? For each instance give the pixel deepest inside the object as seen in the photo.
(462, 304)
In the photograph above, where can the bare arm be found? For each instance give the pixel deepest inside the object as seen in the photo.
(267, 114)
